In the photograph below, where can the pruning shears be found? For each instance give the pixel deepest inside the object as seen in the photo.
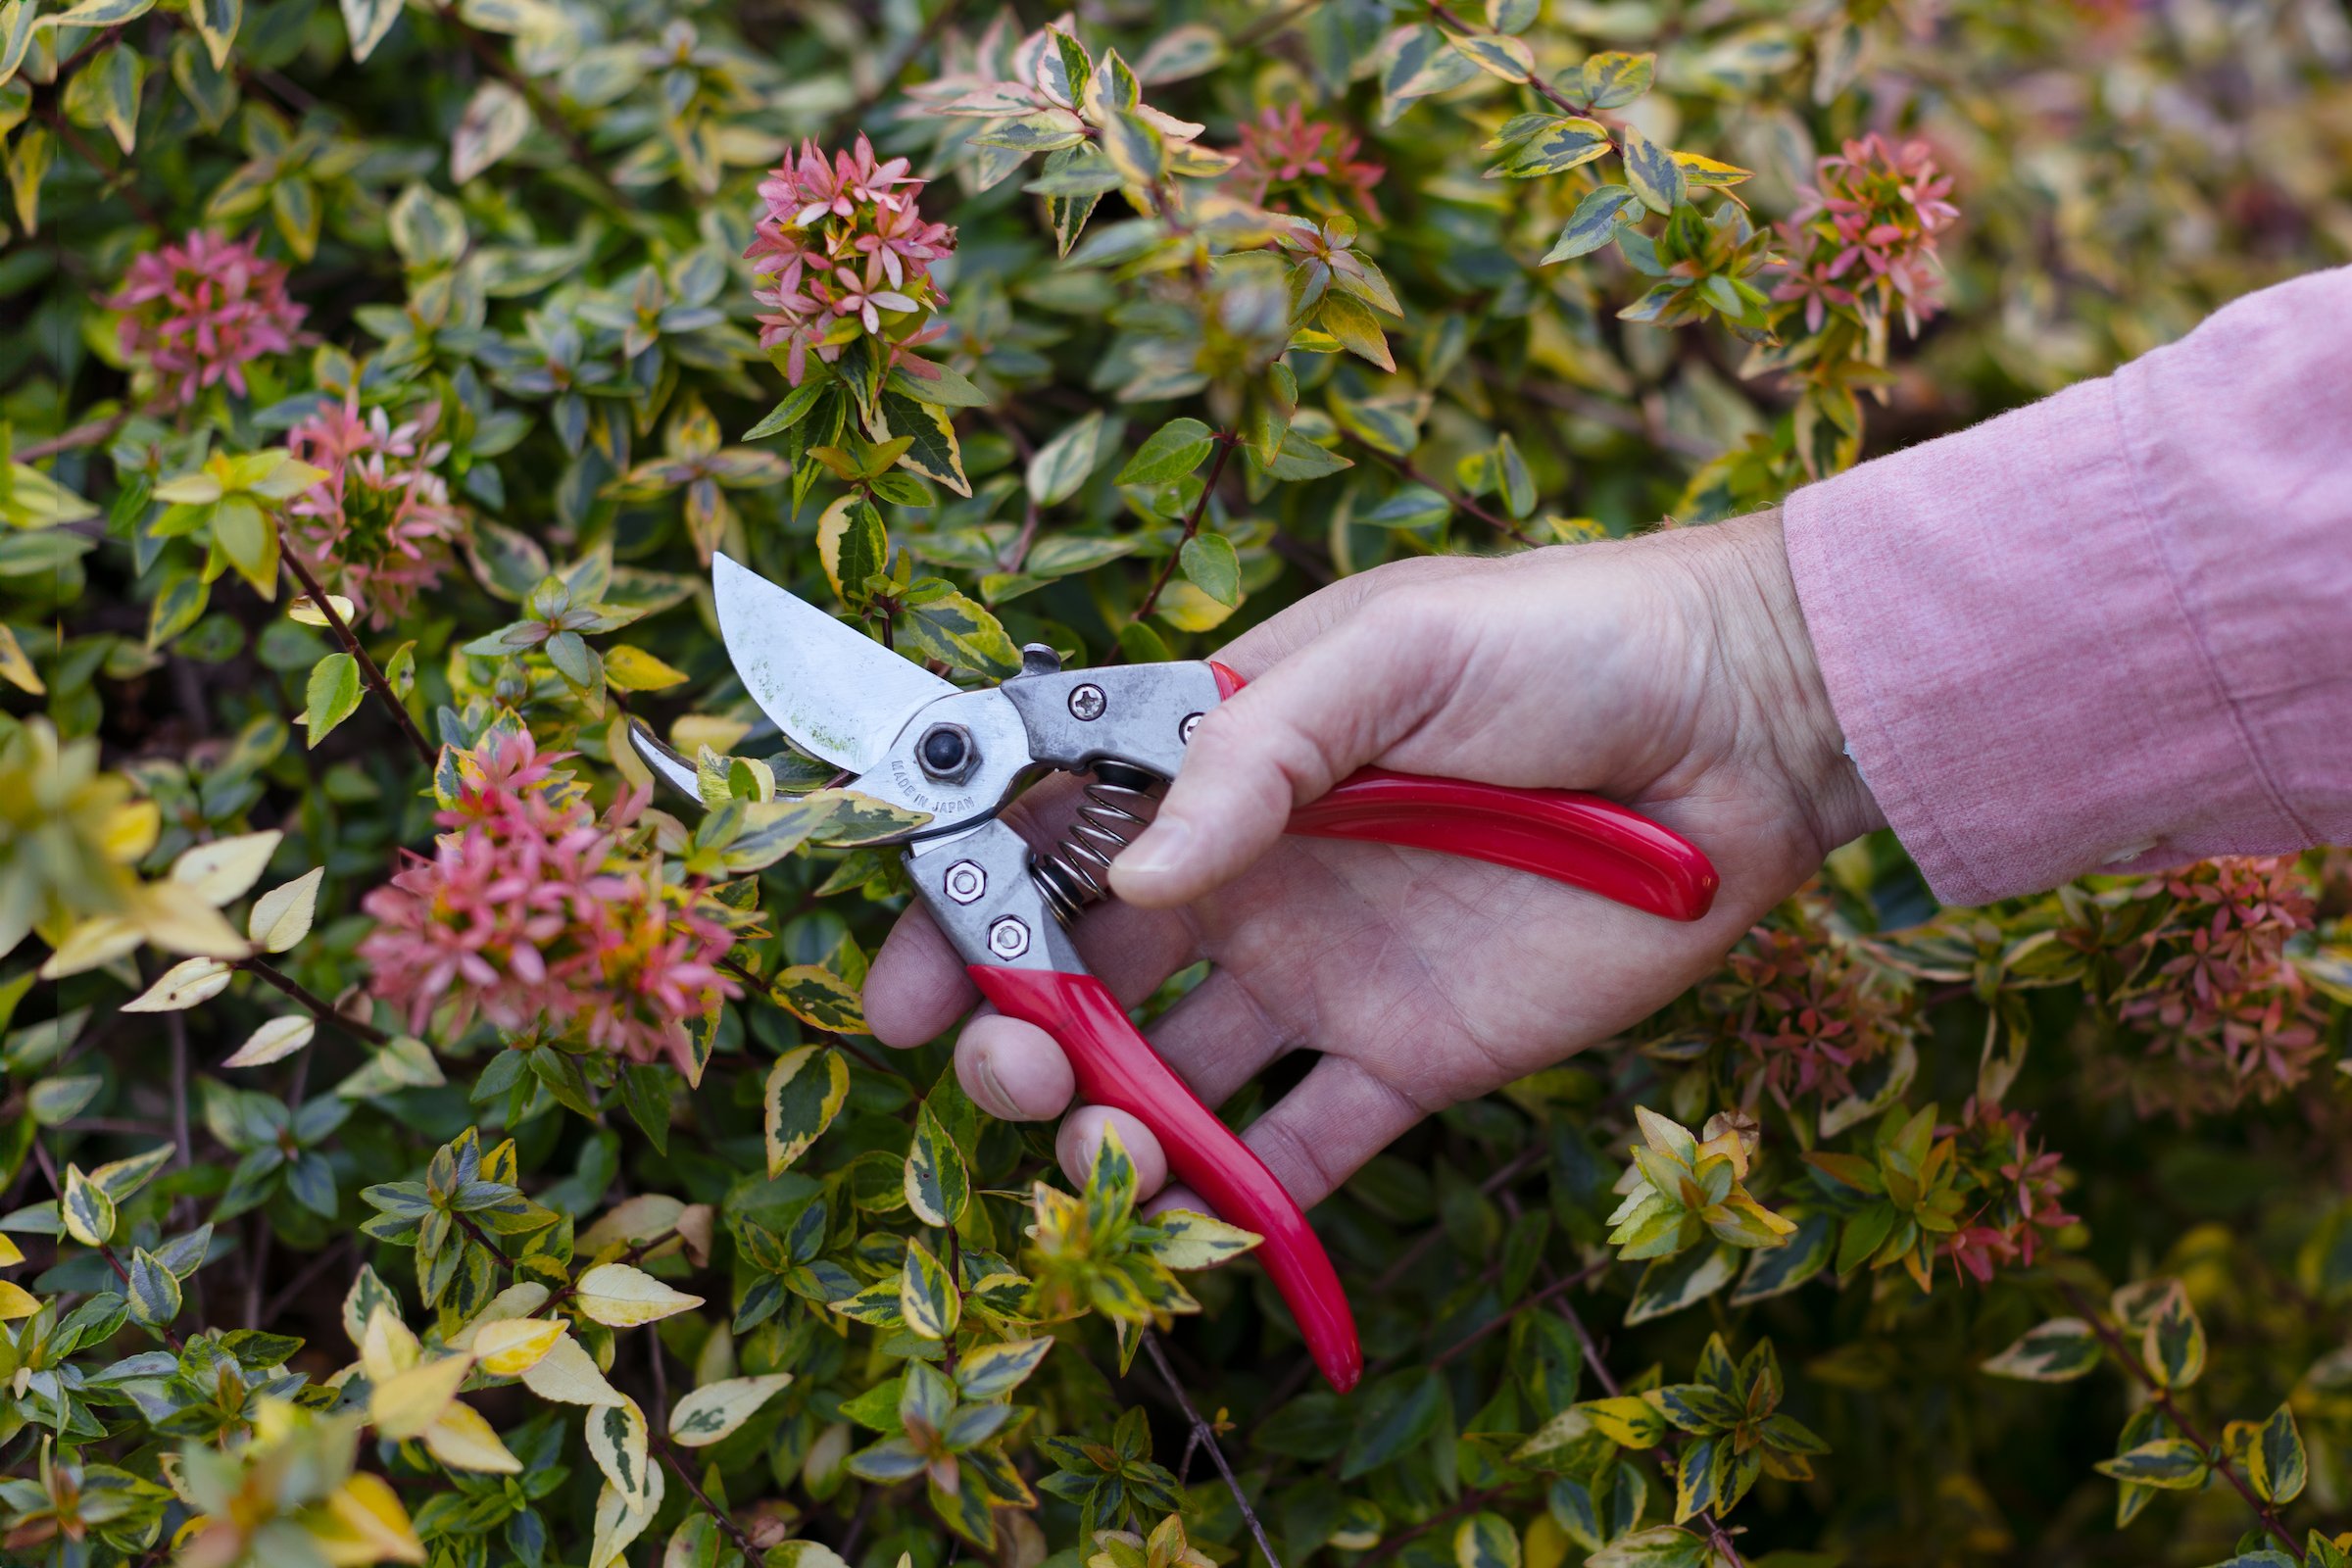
(917, 742)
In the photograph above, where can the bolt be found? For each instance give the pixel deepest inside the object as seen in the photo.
(947, 751)
(1087, 703)
(965, 882)
(1184, 730)
(1008, 938)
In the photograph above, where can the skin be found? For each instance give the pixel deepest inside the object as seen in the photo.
(1672, 672)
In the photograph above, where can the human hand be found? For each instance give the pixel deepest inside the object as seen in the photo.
(1671, 672)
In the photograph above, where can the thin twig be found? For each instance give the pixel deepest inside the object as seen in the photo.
(743, 1543)
(426, 753)
(258, 1273)
(1260, 31)
(1522, 1305)
(82, 435)
(1512, 1170)
(2162, 1399)
(1226, 441)
(115, 177)
(1207, 1436)
(310, 1273)
(318, 1006)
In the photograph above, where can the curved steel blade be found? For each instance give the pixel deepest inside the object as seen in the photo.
(835, 693)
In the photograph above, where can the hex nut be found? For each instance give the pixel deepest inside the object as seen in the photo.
(1008, 938)
(965, 882)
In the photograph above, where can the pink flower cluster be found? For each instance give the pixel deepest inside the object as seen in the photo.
(2022, 1215)
(842, 242)
(1285, 149)
(529, 914)
(200, 311)
(2225, 996)
(377, 528)
(1878, 207)
(1805, 1013)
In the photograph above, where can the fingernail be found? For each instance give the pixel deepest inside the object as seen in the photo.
(997, 1102)
(1160, 848)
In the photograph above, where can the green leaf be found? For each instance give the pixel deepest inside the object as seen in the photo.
(933, 451)
(1499, 56)
(366, 22)
(88, 1214)
(1652, 173)
(2173, 1342)
(1063, 464)
(1352, 322)
(1396, 1415)
(1627, 1420)
(1596, 221)
(1660, 1546)
(1209, 563)
(2276, 1462)
(153, 1290)
(852, 545)
(2058, 1351)
(991, 1371)
(928, 1299)
(956, 630)
(1485, 1541)
(1565, 143)
(1613, 79)
(806, 1090)
(119, 1179)
(1302, 459)
(54, 1102)
(1671, 1284)
(796, 407)
(1173, 450)
(1518, 485)
(2173, 1464)
(334, 696)
(938, 1186)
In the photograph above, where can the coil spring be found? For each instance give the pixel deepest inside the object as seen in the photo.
(1073, 874)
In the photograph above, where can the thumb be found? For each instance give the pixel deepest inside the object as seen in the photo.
(1287, 738)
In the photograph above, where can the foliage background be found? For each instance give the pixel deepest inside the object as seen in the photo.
(518, 226)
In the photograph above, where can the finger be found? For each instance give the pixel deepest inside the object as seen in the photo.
(1174, 1196)
(1332, 706)
(1081, 1136)
(1321, 1133)
(916, 987)
(1218, 1038)
(1014, 1070)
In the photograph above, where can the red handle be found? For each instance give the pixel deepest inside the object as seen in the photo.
(1116, 1067)
(1578, 839)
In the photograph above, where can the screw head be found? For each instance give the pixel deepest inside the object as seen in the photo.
(1185, 728)
(1087, 703)
(965, 882)
(946, 751)
(1008, 938)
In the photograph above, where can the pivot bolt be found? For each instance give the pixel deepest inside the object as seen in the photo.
(1008, 938)
(946, 753)
(1087, 703)
(965, 882)
(1184, 729)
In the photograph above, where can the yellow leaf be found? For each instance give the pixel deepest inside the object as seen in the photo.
(388, 1349)
(15, 1302)
(620, 1296)
(183, 985)
(642, 1218)
(617, 1441)
(10, 1254)
(512, 1303)
(281, 916)
(275, 1041)
(461, 1440)
(712, 1412)
(132, 831)
(510, 1348)
(15, 668)
(694, 731)
(617, 1524)
(364, 1523)
(633, 670)
(101, 939)
(310, 614)
(568, 1375)
(178, 918)
(404, 1406)
(224, 869)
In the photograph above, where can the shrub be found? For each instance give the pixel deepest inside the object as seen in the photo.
(424, 1145)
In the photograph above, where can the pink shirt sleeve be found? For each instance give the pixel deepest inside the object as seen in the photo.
(2113, 629)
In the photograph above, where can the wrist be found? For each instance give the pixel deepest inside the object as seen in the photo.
(1787, 719)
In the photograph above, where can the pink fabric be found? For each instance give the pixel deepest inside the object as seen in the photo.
(2113, 629)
